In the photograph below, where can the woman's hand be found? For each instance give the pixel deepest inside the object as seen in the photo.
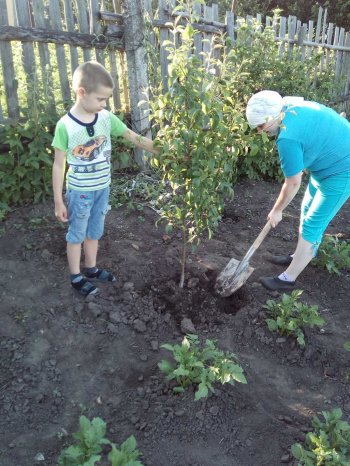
(275, 216)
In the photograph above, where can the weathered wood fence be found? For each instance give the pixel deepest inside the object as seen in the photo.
(42, 41)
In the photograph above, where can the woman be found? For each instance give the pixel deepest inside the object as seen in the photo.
(311, 137)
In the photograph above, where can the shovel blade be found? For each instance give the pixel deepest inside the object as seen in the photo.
(234, 275)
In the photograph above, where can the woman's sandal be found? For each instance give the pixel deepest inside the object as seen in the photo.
(100, 275)
(84, 287)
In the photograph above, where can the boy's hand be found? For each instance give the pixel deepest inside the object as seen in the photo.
(61, 212)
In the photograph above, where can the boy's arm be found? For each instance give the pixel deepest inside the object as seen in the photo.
(57, 183)
(140, 141)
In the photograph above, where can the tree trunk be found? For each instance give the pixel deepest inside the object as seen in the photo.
(183, 257)
(136, 56)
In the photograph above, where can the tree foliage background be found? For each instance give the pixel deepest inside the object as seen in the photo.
(338, 10)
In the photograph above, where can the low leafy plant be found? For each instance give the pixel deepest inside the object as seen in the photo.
(290, 316)
(201, 367)
(91, 439)
(328, 445)
(137, 190)
(333, 254)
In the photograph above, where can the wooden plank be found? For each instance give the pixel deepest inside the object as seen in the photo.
(292, 25)
(137, 73)
(163, 35)
(68, 14)
(282, 34)
(124, 72)
(329, 42)
(339, 61)
(310, 37)
(215, 12)
(115, 76)
(55, 18)
(11, 13)
(208, 38)
(44, 53)
(301, 37)
(82, 14)
(346, 89)
(28, 57)
(319, 25)
(8, 69)
(335, 44)
(230, 26)
(78, 39)
(324, 27)
(95, 27)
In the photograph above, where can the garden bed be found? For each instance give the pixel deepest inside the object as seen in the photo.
(63, 356)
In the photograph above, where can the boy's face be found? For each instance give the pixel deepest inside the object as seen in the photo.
(94, 101)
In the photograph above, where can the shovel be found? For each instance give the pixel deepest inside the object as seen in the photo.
(235, 274)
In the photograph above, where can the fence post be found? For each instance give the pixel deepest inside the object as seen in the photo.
(137, 72)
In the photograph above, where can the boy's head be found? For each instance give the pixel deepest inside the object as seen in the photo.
(89, 76)
(93, 86)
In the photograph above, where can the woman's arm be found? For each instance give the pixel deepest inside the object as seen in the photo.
(289, 189)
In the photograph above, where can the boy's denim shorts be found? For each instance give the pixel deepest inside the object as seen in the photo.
(86, 214)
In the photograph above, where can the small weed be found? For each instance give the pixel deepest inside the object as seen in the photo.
(328, 445)
(201, 367)
(89, 446)
(21, 317)
(333, 255)
(35, 223)
(290, 316)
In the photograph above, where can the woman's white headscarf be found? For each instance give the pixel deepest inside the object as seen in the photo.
(267, 106)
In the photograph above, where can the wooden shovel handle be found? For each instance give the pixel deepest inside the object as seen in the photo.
(262, 235)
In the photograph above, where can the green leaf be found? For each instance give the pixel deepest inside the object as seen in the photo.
(165, 366)
(347, 345)
(202, 391)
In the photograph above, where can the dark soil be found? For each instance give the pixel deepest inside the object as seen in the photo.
(63, 356)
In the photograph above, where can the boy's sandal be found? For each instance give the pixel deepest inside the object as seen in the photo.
(84, 287)
(101, 275)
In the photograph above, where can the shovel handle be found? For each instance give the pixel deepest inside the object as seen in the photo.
(262, 235)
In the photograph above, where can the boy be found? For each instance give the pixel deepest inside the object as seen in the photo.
(83, 138)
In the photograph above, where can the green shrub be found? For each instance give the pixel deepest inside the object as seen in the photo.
(328, 444)
(333, 255)
(201, 367)
(290, 316)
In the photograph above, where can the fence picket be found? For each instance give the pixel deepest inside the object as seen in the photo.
(163, 35)
(340, 55)
(68, 14)
(28, 56)
(8, 69)
(95, 28)
(55, 17)
(82, 13)
(197, 10)
(44, 53)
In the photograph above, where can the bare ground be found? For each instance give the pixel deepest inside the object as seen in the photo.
(63, 356)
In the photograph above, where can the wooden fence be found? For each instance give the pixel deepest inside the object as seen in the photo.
(321, 37)
(42, 42)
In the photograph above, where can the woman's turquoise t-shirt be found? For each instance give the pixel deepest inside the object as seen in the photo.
(316, 138)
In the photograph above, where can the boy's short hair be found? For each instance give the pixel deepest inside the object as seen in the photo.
(89, 75)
